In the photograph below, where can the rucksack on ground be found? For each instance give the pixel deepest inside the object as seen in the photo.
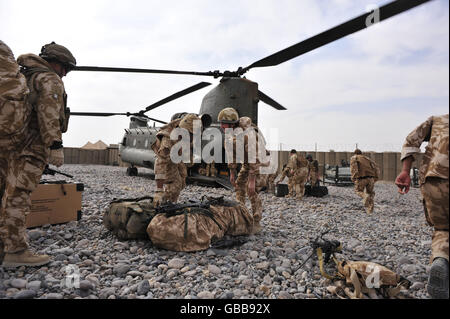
(15, 109)
(129, 218)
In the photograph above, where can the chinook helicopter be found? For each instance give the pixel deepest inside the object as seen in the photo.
(233, 90)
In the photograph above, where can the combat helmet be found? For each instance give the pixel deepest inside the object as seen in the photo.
(187, 122)
(228, 116)
(358, 151)
(309, 157)
(58, 53)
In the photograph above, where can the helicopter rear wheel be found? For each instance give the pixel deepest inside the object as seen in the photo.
(132, 171)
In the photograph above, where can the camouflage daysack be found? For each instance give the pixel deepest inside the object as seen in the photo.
(129, 218)
(14, 107)
(367, 167)
(195, 228)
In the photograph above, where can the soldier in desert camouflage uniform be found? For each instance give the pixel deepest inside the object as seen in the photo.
(434, 186)
(171, 177)
(313, 170)
(42, 145)
(364, 175)
(299, 170)
(245, 184)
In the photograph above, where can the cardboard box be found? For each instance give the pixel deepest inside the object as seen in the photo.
(55, 203)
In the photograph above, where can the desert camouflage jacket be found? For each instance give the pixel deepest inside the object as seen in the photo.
(164, 167)
(48, 98)
(296, 162)
(435, 161)
(251, 154)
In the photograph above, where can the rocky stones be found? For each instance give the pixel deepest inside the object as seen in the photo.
(266, 266)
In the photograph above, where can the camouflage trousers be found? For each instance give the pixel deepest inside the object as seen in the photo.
(435, 202)
(313, 178)
(241, 193)
(271, 182)
(19, 176)
(298, 182)
(175, 182)
(365, 188)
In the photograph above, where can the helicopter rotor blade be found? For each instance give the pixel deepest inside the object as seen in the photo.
(111, 114)
(268, 100)
(340, 31)
(96, 114)
(215, 74)
(177, 95)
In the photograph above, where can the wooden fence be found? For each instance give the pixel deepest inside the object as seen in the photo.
(389, 162)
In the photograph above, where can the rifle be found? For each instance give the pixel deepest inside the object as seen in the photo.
(50, 171)
(170, 208)
(322, 246)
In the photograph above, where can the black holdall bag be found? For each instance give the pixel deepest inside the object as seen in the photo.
(316, 191)
(281, 190)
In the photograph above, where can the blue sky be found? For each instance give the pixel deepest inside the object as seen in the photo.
(370, 88)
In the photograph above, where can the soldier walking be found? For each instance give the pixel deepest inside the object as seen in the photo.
(365, 173)
(433, 180)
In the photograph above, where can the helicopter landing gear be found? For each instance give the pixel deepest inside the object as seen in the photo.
(132, 171)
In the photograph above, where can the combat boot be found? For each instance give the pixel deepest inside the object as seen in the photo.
(24, 258)
(438, 279)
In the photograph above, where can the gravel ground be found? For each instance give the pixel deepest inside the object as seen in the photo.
(267, 266)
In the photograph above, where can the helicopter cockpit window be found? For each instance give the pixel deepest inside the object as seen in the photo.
(124, 141)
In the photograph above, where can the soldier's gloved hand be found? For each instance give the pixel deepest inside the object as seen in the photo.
(56, 157)
(403, 182)
(158, 198)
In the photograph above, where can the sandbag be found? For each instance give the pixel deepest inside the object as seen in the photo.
(193, 228)
(129, 218)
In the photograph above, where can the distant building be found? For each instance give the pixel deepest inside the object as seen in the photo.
(99, 145)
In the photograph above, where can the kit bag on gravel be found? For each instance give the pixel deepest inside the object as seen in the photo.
(281, 190)
(193, 226)
(315, 191)
(15, 109)
(129, 218)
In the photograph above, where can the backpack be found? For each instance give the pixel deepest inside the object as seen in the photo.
(367, 167)
(129, 218)
(15, 108)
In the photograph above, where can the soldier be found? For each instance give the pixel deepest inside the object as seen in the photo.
(171, 177)
(434, 187)
(286, 172)
(313, 170)
(245, 184)
(299, 170)
(43, 144)
(364, 174)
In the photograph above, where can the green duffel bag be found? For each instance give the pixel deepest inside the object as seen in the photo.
(129, 218)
